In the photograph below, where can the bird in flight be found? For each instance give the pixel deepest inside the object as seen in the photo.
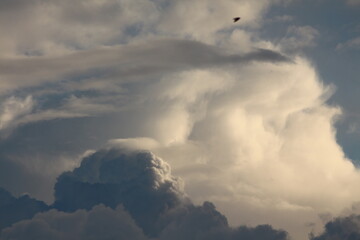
(236, 19)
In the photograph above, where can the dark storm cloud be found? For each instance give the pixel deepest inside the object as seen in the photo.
(138, 180)
(17, 179)
(124, 63)
(142, 183)
(98, 223)
(122, 194)
(13, 209)
(342, 228)
(206, 223)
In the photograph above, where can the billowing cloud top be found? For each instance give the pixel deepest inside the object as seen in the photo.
(138, 180)
(239, 111)
(122, 194)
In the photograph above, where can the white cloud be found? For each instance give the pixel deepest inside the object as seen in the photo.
(255, 137)
(261, 141)
(204, 18)
(54, 28)
(299, 37)
(13, 109)
(140, 61)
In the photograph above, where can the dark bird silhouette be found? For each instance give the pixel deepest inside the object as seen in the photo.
(236, 19)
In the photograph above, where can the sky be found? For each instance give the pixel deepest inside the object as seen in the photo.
(163, 119)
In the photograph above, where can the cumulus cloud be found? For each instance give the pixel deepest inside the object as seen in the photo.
(136, 179)
(99, 223)
(138, 199)
(253, 144)
(244, 126)
(205, 222)
(16, 209)
(235, 133)
(342, 228)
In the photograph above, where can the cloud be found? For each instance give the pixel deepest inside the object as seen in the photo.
(244, 126)
(353, 2)
(204, 19)
(283, 18)
(13, 109)
(205, 222)
(234, 134)
(250, 134)
(124, 63)
(112, 177)
(37, 28)
(40, 26)
(138, 199)
(350, 44)
(99, 223)
(299, 37)
(16, 209)
(341, 228)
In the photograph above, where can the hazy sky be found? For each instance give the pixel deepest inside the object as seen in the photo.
(258, 117)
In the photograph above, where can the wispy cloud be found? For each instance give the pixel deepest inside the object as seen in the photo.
(13, 110)
(124, 62)
(352, 44)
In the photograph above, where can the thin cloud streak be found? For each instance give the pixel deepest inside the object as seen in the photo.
(125, 62)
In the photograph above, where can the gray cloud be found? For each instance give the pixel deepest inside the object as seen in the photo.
(299, 37)
(38, 27)
(140, 196)
(206, 223)
(98, 223)
(13, 209)
(12, 110)
(350, 44)
(261, 120)
(112, 177)
(353, 2)
(342, 228)
(99, 75)
(124, 63)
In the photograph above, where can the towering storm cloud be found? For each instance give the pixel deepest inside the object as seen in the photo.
(138, 180)
(258, 117)
(127, 194)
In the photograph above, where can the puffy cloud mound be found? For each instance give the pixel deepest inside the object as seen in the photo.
(123, 194)
(342, 228)
(139, 180)
(206, 223)
(99, 223)
(15, 209)
(191, 222)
